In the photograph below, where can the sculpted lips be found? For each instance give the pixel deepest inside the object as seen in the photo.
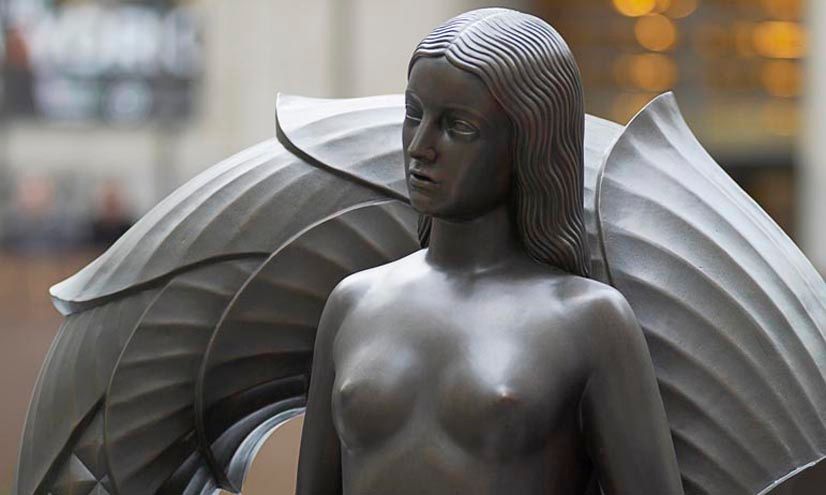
(420, 179)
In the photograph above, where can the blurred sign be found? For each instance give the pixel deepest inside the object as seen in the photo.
(111, 61)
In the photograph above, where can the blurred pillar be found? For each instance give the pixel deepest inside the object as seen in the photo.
(812, 177)
(254, 49)
(5, 182)
(343, 17)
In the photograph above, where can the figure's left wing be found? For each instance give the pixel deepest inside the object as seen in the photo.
(734, 314)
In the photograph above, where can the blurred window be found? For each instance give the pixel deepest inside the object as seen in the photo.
(99, 60)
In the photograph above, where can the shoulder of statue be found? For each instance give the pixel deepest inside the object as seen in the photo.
(601, 313)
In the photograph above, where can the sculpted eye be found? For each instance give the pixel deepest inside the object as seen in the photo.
(463, 127)
(413, 113)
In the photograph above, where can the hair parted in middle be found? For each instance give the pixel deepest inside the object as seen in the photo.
(531, 72)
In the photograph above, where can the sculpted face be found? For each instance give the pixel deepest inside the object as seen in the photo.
(457, 143)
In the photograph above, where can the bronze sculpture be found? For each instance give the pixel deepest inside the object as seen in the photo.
(198, 297)
(525, 368)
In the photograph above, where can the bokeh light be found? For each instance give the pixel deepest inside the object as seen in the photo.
(780, 39)
(635, 8)
(782, 78)
(661, 6)
(783, 9)
(655, 32)
(651, 72)
(681, 8)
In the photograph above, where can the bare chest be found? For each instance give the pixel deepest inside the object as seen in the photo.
(496, 381)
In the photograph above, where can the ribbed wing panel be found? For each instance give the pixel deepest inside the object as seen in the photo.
(149, 411)
(733, 312)
(263, 345)
(71, 384)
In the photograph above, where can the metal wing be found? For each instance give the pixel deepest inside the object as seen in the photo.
(115, 407)
(733, 312)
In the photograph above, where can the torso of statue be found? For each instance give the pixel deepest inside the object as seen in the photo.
(485, 364)
(471, 381)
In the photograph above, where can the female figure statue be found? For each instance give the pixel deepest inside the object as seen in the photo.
(487, 362)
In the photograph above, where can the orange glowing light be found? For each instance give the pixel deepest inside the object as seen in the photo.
(662, 6)
(783, 9)
(780, 39)
(635, 8)
(655, 32)
(782, 78)
(681, 8)
(652, 72)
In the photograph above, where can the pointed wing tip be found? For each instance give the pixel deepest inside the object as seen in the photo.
(660, 116)
(61, 293)
(62, 306)
(666, 98)
(283, 99)
(664, 104)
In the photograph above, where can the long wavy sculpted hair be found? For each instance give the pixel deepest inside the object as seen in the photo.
(531, 72)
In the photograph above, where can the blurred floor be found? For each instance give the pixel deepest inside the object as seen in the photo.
(28, 323)
(273, 470)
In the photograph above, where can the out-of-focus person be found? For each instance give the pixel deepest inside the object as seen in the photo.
(17, 74)
(35, 223)
(110, 218)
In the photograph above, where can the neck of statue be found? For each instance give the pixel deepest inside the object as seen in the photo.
(478, 244)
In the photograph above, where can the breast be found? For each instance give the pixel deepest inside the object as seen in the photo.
(501, 399)
(496, 393)
(375, 392)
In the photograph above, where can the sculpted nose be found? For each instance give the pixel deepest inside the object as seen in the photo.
(421, 147)
(427, 155)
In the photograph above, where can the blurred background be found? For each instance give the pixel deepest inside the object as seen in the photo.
(106, 106)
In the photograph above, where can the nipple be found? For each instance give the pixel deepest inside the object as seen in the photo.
(505, 396)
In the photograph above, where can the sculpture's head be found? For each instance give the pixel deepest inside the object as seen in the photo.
(494, 100)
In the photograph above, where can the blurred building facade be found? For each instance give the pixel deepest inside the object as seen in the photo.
(139, 119)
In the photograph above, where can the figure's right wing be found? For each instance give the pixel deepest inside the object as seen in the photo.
(191, 338)
(734, 314)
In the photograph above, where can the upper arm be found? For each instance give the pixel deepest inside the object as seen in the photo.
(319, 467)
(623, 417)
